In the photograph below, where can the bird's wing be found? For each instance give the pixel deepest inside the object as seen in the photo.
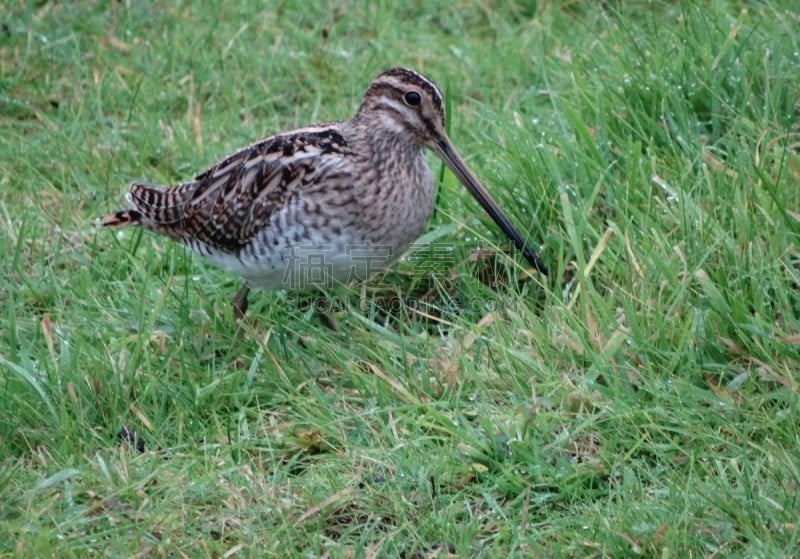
(226, 205)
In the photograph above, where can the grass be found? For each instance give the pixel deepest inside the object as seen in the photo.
(643, 403)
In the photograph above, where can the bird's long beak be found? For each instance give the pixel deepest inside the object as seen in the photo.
(447, 153)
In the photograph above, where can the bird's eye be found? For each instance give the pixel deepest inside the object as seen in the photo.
(413, 98)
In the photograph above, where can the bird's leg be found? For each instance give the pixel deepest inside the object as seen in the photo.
(240, 303)
(323, 309)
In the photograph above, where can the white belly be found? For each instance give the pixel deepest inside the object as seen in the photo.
(310, 265)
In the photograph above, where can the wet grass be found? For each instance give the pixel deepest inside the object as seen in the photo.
(643, 401)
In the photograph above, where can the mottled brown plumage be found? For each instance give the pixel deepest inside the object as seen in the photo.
(331, 202)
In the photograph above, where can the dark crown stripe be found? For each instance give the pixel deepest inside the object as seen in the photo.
(407, 77)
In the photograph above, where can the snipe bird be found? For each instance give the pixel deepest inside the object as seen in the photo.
(330, 202)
